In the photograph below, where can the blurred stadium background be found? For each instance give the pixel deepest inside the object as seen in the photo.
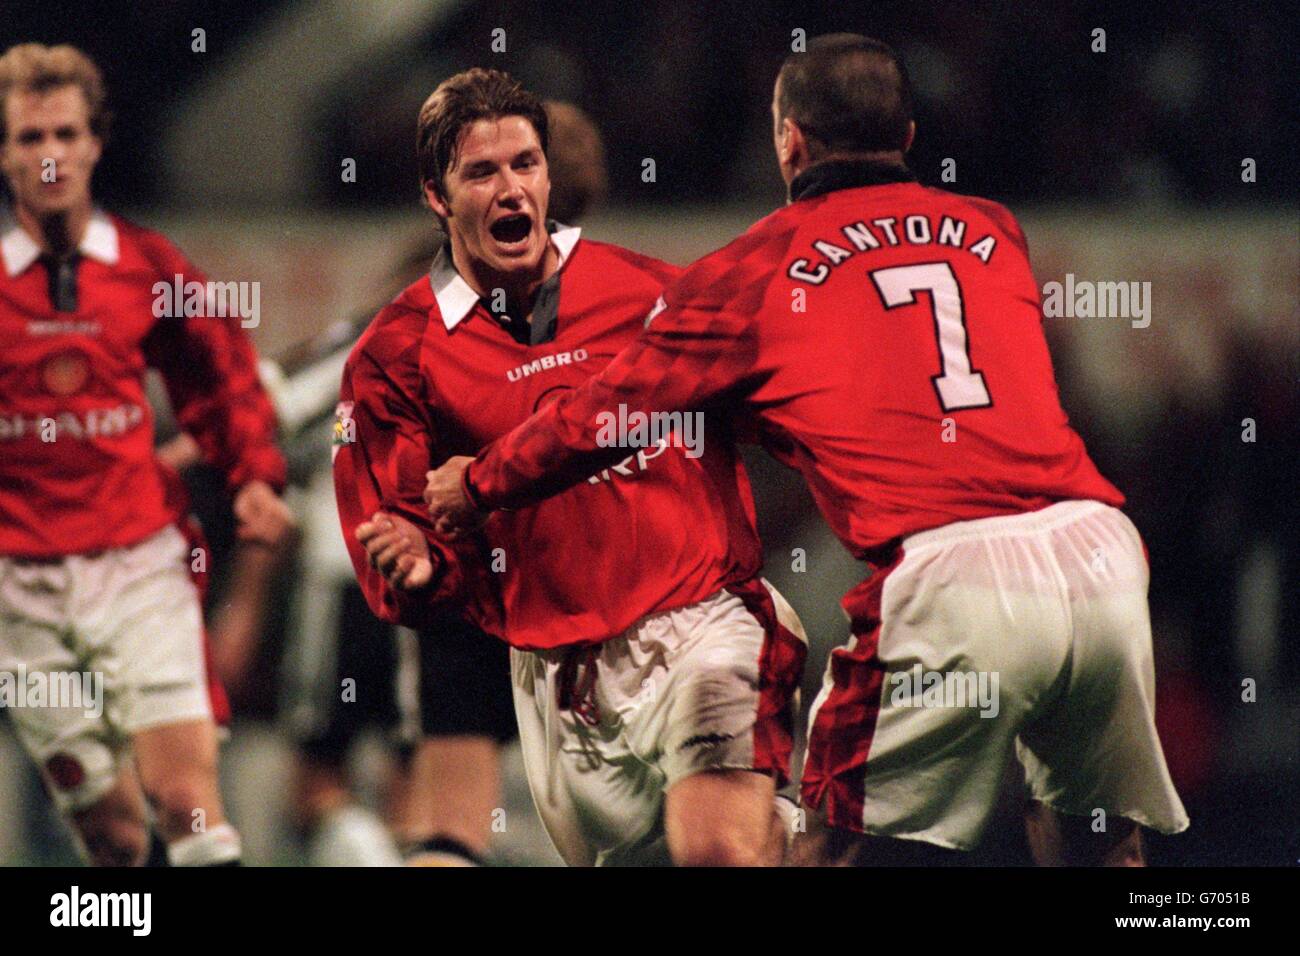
(1123, 166)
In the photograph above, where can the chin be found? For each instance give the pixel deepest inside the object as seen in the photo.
(524, 261)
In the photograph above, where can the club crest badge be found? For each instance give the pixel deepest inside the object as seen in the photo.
(345, 428)
(65, 373)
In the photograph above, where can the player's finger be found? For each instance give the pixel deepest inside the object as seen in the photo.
(377, 524)
(420, 574)
(387, 557)
(253, 532)
(401, 570)
(430, 487)
(381, 541)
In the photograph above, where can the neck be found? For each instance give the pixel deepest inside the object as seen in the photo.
(519, 289)
(39, 228)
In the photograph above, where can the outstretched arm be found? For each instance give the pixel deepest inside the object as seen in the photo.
(700, 343)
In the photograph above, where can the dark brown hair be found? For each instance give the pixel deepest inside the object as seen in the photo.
(460, 101)
(848, 93)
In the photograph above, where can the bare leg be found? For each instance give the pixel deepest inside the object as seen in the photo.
(1057, 839)
(113, 831)
(177, 764)
(455, 787)
(824, 845)
(724, 818)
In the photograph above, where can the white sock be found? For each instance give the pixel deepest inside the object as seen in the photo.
(788, 813)
(352, 836)
(209, 848)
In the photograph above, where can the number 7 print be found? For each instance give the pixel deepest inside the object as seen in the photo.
(957, 385)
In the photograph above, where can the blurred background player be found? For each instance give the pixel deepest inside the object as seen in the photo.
(94, 574)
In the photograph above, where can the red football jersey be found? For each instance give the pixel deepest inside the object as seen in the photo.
(77, 465)
(887, 340)
(437, 374)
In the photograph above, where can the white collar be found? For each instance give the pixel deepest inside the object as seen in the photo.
(19, 250)
(456, 298)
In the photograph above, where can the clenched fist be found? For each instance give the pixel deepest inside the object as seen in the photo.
(263, 516)
(451, 511)
(397, 550)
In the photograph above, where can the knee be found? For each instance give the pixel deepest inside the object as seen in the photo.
(725, 846)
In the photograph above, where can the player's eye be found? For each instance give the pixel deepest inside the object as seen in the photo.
(29, 136)
(67, 133)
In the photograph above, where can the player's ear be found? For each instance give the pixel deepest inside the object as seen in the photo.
(911, 135)
(786, 141)
(435, 201)
(795, 152)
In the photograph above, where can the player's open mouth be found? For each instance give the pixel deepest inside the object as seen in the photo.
(513, 229)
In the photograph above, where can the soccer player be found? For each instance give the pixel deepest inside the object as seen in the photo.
(466, 704)
(654, 672)
(887, 339)
(95, 576)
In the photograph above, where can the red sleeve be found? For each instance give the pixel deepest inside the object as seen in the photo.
(210, 369)
(383, 445)
(700, 346)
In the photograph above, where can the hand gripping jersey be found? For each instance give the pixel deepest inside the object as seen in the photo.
(886, 337)
(77, 468)
(437, 374)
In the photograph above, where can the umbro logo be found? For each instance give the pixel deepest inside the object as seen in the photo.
(545, 363)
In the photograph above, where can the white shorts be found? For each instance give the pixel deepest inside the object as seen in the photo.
(121, 632)
(607, 729)
(1025, 634)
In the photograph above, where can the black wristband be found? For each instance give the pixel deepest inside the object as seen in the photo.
(471, 494)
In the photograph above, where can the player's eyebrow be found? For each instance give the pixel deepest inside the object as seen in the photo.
(479, 167)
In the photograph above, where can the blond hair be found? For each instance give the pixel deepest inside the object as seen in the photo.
(36, 68)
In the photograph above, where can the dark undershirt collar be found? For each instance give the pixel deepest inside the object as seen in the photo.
(836, 174)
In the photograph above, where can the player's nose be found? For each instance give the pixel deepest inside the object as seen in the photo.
(55, 153)
(512, 188)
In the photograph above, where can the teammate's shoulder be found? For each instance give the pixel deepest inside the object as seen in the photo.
(157, 249)
(603, 254)
(748, 262)
(990, 209)
(397, 330)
